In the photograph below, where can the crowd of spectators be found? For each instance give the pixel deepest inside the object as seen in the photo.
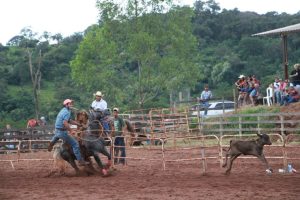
(283, 92)
(286, 92)
(249, 90)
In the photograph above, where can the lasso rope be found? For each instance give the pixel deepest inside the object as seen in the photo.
(101, 135)
(77, 133)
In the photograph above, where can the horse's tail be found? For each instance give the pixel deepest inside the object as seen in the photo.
(59, 162)
(129, 126)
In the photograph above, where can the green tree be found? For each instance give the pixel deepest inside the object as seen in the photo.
(143, 55)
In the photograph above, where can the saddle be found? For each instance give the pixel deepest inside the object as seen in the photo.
(97, 114)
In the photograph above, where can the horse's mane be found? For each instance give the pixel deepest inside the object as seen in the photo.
(82, 117)
(129, 126)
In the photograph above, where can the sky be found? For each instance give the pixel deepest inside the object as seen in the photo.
(70, 16)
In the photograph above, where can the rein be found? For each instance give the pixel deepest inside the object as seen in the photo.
(100, 134)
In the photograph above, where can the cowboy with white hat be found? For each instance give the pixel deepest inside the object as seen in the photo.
(99, 104)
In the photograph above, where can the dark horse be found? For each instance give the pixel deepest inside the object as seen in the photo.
(90, 141)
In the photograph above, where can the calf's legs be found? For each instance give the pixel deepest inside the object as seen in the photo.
(232, 158)
(264, 160)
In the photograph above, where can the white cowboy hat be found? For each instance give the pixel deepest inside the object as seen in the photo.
(116, 109)
(98, 93)
(241, 76)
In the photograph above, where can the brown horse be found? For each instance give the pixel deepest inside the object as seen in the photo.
(90, 144)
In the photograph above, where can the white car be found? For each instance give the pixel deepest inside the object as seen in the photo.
(214, 108)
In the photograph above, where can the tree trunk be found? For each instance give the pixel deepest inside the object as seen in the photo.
(35, 75)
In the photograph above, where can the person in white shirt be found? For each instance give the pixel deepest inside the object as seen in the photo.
(100, 105)
(205, 96)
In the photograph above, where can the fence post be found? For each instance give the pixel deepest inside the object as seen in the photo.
(30, 145)
(223, 107)
(19, 149)
(198, 118)
(282, 125)
(203, 160)
(220, 151)
(163, 153)
(258, 124)
(221, 126)
(284, 152)
(240, 126)
(235, 101)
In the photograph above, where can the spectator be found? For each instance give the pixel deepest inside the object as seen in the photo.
(254, 80)
(284, 87)
(254, 94)
(62, 126)
(240, 82)
(205, 96)
(32, 123)
(8, 135)
(295, 75)
(100, 105)
(119, 130)
(277, 92)
(8, 130)
(43, 121)
(243, 85)
(291, 97)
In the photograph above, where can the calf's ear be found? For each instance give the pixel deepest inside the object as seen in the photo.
(258, 134)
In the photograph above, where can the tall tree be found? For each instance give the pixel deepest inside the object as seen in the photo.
(140, 54)
(35, 74)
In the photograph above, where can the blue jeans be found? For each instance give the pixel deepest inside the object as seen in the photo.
(105, 126)
(277, 95)
(287, 100)
(205, 105)
(68, 139)
(119, 141)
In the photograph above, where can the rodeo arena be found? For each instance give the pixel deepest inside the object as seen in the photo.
(171, 153)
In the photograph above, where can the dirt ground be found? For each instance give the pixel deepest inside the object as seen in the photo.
(146, 179)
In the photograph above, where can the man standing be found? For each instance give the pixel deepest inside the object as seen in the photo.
(277, 93)
(62, 126)
(119, 126)
(100, 105)
(205, 96)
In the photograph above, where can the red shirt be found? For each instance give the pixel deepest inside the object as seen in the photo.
(32, 123)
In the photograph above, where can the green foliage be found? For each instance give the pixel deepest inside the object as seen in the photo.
(254, 110)
(141, 55)
(159, 50)
(259, 109)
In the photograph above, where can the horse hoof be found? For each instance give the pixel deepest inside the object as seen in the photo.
(108, 164)
(104, 172)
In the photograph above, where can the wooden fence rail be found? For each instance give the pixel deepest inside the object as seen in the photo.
(200, 148)
(282, 123)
